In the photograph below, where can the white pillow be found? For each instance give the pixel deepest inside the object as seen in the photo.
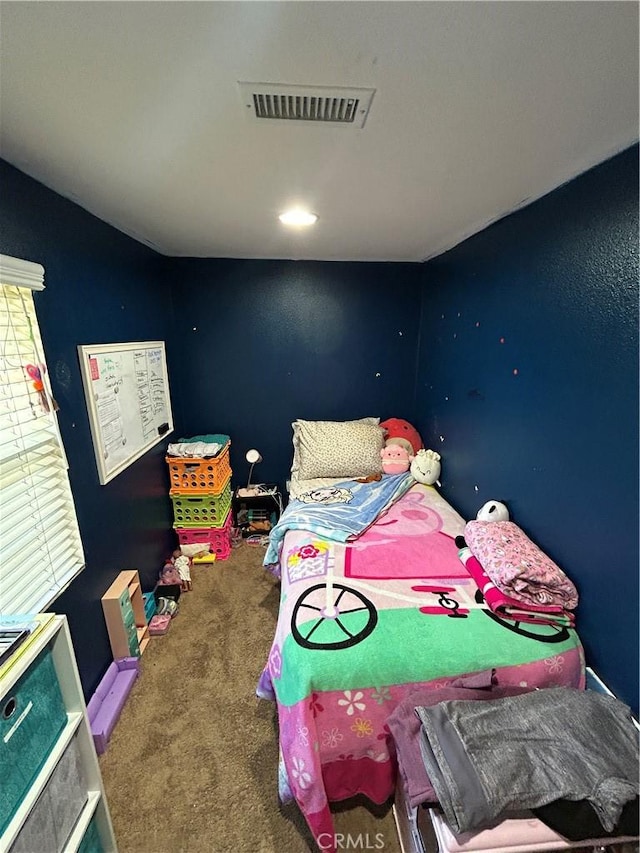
(195, 548)
(336, 448)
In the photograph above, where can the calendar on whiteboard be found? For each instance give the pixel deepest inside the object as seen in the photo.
(127, 392)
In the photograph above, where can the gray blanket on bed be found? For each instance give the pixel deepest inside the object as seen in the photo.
(525, 751)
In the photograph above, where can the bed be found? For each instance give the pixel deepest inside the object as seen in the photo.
(375, 603)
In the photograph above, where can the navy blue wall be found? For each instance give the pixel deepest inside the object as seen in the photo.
(550, 292)
(101, 287)
(528, 386)
(266, 342)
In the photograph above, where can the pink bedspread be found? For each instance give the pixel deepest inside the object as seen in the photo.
(363, 625)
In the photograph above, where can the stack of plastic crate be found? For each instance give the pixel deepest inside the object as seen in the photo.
(201, 496)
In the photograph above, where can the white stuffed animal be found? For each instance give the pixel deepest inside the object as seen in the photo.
(425, 467)
(493, 511)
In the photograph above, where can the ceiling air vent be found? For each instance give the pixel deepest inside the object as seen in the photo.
(279, 102)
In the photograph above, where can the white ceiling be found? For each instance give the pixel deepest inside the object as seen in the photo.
(133, 111)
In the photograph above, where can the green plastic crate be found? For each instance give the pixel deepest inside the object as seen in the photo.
(201, 510)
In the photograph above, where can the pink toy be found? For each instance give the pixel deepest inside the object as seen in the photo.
(402, 433)
(177, 570)
(395, 459)
(159, 624)
(170, 576)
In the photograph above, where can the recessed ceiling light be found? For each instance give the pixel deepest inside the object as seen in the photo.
(298, 218)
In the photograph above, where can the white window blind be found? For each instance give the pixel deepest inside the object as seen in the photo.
(40, 545)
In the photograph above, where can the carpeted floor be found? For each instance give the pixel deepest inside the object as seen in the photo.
(192, 763)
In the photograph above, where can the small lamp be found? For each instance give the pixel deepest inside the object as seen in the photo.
(252, 456)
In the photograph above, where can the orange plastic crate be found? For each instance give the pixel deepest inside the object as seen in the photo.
(199, 475)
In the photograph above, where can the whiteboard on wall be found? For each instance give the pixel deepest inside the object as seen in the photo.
(126, 387)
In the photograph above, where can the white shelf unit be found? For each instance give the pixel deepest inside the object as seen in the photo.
(55, 635)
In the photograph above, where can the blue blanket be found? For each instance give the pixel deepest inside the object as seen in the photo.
(339, 512)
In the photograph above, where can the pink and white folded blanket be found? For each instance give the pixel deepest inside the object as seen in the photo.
(517, 566)
(513, 608)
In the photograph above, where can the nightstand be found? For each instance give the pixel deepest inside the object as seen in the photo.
(256, 509)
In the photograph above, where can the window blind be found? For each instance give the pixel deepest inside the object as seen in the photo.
(41, 549)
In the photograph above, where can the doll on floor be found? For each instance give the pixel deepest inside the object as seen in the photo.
(183, 565)
(177, 569)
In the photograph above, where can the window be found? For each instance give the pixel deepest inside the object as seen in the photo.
(40, 546)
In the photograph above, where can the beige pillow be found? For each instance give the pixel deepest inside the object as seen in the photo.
(337, 448)
(295, 465)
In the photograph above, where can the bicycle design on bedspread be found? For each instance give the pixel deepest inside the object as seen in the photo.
(340, 600)
(325, 604)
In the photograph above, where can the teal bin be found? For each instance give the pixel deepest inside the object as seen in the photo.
(32, 716)
(149, 605)
(91, 840)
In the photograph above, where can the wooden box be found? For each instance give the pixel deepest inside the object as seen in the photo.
(125, 616)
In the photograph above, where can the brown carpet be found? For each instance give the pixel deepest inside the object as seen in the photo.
(192, 763)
